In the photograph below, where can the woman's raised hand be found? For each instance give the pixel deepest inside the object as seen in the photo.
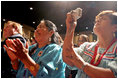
(70, 22)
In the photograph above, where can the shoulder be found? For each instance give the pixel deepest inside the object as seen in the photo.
(54, 46)
(16, 36)
(88, 43)
(19, 36)
(114, 46)
(85, 46)
(34, 45)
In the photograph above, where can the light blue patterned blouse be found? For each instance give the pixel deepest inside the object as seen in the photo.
(86, 51)
(50, 61)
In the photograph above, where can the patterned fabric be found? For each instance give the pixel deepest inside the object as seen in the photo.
(109, 60)
(50, 61)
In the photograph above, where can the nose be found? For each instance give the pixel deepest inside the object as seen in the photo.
(98, 20)
(36, 30)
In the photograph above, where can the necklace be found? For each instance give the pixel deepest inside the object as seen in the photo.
(96, 57)
(39, 54)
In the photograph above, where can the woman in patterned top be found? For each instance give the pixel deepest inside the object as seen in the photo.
(96, 59)
(46, 59)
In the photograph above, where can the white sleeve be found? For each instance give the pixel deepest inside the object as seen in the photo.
(80, 49)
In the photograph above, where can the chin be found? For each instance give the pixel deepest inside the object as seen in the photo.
(94, 30)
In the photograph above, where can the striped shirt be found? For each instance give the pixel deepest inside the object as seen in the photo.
(86, 51)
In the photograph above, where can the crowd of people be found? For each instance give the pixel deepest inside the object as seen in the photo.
(48, 56)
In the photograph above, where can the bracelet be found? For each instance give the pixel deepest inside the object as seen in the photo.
(32, 68)
(83, 66)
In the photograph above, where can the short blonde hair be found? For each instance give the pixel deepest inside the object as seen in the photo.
(15, 24)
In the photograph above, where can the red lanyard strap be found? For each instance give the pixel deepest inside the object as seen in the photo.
(95, 53)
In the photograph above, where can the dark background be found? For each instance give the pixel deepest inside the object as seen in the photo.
(55, 11)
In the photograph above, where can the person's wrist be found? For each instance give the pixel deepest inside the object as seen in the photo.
(84, 65)
(13, 62)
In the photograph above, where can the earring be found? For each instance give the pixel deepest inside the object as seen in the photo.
(49, 39)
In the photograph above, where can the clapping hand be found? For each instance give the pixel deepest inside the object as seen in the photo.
(8, 47)
(16, 49)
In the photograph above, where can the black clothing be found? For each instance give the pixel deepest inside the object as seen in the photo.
(6, 67)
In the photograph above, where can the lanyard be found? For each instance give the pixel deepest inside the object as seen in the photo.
(95, 53)
(40, 52)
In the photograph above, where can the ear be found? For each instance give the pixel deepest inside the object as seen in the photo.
(114, 27)
(51, 32)
(16, 29)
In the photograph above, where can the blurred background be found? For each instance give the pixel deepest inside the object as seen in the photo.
(30, 13)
